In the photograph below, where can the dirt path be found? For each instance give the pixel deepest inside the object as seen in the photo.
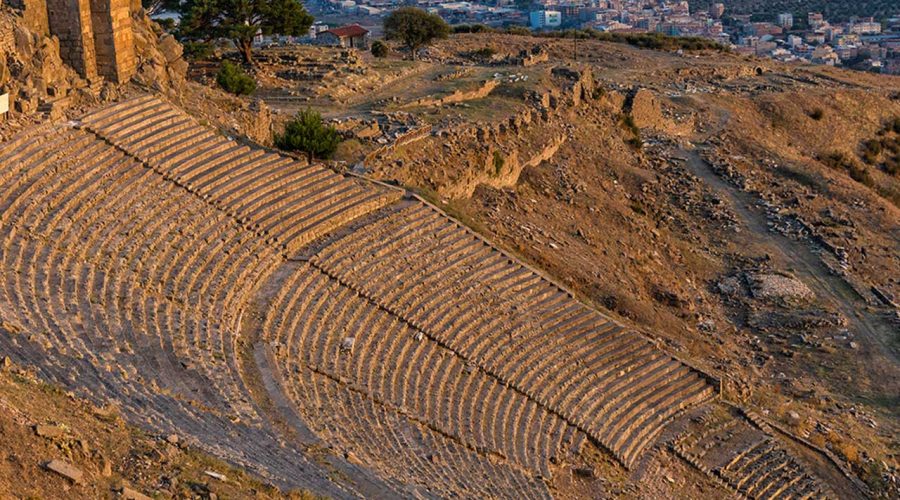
(870, 328)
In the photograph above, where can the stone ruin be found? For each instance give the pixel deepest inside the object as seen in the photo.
(95, 36)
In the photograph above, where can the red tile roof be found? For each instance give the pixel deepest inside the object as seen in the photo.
(353, 30)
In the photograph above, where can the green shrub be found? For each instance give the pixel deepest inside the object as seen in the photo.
(197, 50)
(484, 53)
(858, 172)
(233, 79)
(306, 132)
(871, 150)
(380, 49)
(498, 163)
(473, 28)
(892, 166)
(518, 30)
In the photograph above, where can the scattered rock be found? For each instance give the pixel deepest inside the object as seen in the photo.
(347, 344)
(585, 472)
(66, 470)
(216, 475)
(780, 288)
(49, 431)
(132, 494)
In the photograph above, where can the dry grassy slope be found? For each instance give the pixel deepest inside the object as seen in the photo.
(642, 236)
(108, 452)
(779, 127)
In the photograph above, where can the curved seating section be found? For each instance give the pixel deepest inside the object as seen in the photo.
(131, 252)
(399, 447)
(515, 325)
(316, 324)
(748, 460)
(275, 196)
(129, 288)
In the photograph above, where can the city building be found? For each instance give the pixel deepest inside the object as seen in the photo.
(786, 20)
(542, 19)
(815, 20)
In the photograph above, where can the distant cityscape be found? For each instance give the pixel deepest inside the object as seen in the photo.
(862, 43)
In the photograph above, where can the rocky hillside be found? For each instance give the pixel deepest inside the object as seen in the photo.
(740, 210)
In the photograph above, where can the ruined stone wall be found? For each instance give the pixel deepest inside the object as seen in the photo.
(7, 35)
(113, 39)
(70, 21)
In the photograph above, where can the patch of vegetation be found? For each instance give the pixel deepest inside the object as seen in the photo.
(840, 161)
(884, 150)
(498, 163)
(307, 133)
(380, 49)
(871, 150)
(519, 30)
(473, 28)
(654, 41)
(415, 28)
(484, 53)
(233, 79)
(626, 121)
(817, 114)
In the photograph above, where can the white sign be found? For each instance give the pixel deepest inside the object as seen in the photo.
(4, 103)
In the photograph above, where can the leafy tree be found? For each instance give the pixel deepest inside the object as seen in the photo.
(307, 133)
(232, 78)
(156, 6)
(380, 49)
(241, 20)
(414, 27)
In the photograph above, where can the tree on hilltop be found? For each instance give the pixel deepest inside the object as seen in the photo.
(241, 20)
(414, 27)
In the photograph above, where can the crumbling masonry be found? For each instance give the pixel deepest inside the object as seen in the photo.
(95, 36)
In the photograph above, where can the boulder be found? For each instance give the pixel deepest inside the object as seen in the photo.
(49, 431)
(170, 48)
(66, 470)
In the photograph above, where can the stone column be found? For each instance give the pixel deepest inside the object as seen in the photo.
(113, 39)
